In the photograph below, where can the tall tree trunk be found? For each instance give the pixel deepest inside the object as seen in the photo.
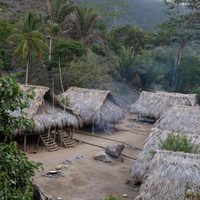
(60, 73)
(114, 19)
(50, 47)
(179, 54)
(176, 75)
(27, 69)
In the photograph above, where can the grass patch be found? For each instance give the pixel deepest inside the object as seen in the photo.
(179, 142)
(111, 197)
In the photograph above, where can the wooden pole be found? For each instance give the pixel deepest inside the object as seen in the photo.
(25, 143)
(92, 128)
(38, 141)
(61, 138)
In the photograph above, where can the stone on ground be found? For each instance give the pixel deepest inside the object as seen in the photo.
(115, 150)
(102, 156)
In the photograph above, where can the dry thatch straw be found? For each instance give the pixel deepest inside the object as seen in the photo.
(46, 111)
(185, 119)
(94, 106)
(156, 104)
(144, 158)
(169, 175)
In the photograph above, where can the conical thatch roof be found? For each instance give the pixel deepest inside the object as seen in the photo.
(46, 111)
(183, 119)
(94, 106)
(168, 176)
(156, 104)
(152, 144)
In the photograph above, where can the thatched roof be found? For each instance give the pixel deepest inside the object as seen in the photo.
(168, 176)
(94, 106)
(46, 111)
(183, 119)
(156, 104)
(152, 144)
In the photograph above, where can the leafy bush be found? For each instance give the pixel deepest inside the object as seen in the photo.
(111, 197)
(90, 72)
(15, 173)
(179, 142)
(16, 170)
(5, 59)
(64, 100)
(68, 49)
(97, 49)
(12, 99)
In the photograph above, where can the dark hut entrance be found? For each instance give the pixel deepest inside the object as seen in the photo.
(100, 128)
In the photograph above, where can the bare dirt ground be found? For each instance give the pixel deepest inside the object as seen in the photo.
(86, 178)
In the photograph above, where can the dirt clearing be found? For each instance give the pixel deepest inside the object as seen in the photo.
(85, 178)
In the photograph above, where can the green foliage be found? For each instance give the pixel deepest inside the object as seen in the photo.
(111, 197)
(179, 142)
(16, 170)
(5, 30)
(59, 10)
(85, 21)
(5, 59)
(126, 64)
(97, 49)
(184, 21)
(29, 39)
(68, 50)
(12, 100)
(15, 173)
(91, 71)
(64, 100)
(152, 70)
(129, 36)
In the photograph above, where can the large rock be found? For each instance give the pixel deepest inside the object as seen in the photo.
(102, 156)
(115, 150)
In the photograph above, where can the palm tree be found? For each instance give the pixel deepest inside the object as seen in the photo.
(30, 40)
(84, 21)
(58, 12)
(127, 64)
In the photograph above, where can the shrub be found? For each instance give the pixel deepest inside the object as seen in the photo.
(15, 173)
(16, 170)
(111, 197)
(12, 99)
(179, 142)
(90, 71)
(64, 100)
(97, 49)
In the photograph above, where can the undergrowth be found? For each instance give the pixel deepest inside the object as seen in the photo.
(111, 197)
(179, 142)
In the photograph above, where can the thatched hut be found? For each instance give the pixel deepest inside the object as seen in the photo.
(156, 104)
(94, 106)
(46, 112)
(183, 119)
(152, 144)
(169, 175)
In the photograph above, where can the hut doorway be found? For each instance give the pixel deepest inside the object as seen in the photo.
(100, 128)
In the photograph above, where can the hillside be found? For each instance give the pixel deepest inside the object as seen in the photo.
(143, 13)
